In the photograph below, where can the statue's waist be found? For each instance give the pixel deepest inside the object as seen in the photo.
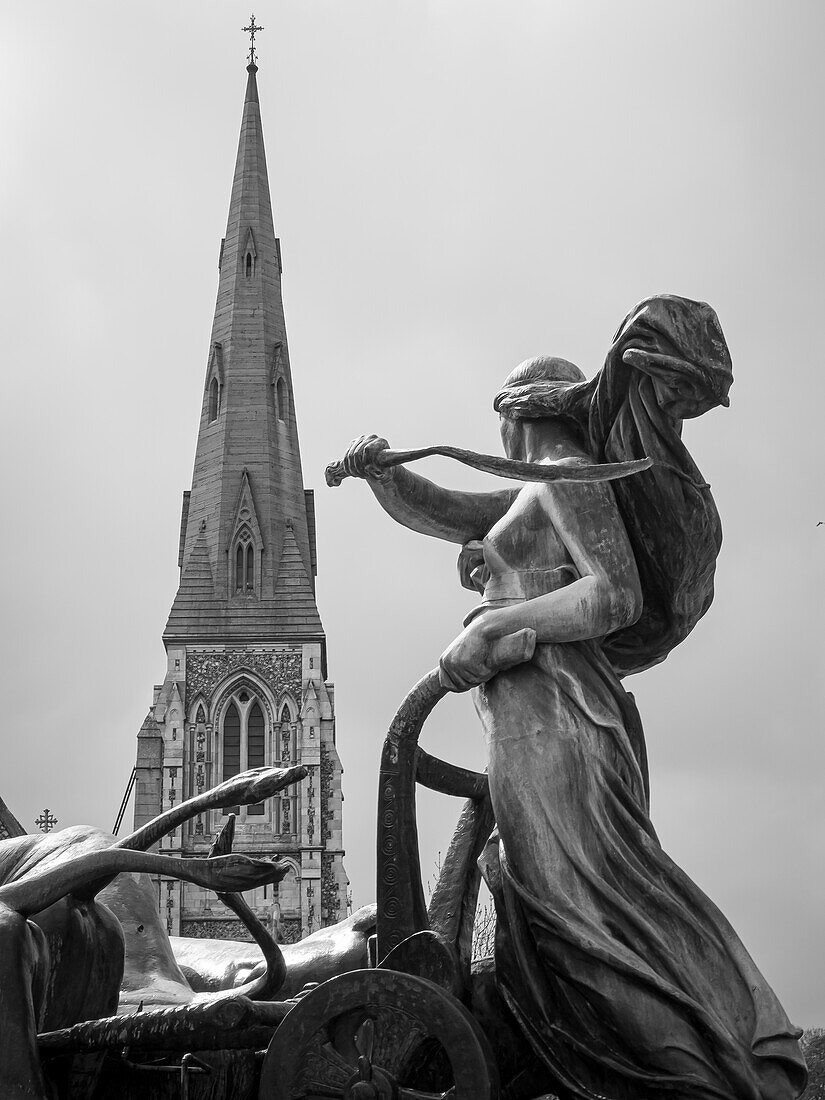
(519, 585)
(526, 584)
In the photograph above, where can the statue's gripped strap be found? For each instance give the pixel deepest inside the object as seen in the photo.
(503, 467)
(402, 910)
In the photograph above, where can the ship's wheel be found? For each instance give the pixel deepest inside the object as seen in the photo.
(378, 1035)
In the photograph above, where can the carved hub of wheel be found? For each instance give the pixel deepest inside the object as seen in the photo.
(378, 1035)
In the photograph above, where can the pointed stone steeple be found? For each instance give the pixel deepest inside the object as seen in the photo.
(246, 669)
(247, 452)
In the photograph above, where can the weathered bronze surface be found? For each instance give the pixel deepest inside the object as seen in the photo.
(402, 910)
(210, 966)
(379, 1035)
(504, 467)
(614, 977)
(61, 950)
(623, 978)
(215, 1025)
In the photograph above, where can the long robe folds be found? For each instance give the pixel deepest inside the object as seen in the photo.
(628, 981)
(609, 956)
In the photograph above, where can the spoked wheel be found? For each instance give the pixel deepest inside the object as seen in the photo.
(378, 1035)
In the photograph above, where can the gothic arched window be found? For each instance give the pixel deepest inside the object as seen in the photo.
(244, 559)
(250, 568)
(214, 400)
(231, 748)
(244, 743)
(239, 569)
(255, 747)
(249, 265)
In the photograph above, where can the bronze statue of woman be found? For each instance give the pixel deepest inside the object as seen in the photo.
(627, 981)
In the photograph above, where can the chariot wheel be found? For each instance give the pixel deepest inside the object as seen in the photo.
(378, 1035)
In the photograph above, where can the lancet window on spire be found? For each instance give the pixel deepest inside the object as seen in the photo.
(244, 562)
(214, 400)
(249, 578)
(281, 399)
(249, 261)
(214, 383)
(280, 390)
(245, 549)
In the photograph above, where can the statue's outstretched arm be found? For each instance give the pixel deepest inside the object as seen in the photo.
(420, 504)
(423, 506)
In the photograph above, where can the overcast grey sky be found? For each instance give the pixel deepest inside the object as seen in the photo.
(457, 185)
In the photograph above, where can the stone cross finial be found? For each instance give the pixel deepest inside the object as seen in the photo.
(252, 30)
(46, 822)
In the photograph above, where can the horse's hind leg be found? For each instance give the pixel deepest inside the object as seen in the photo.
(86, 951)
(24, 959)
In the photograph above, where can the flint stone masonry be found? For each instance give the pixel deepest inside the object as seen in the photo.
(279, 670)
(813, 1047)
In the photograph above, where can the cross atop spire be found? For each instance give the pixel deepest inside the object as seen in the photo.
(252, 30)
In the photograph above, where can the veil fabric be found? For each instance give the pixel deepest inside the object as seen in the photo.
(669, 361)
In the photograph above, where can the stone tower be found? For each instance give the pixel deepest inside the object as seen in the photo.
(9, 825)
(246, 678)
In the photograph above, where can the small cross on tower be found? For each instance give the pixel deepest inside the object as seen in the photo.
(46, 822)
(252, 30)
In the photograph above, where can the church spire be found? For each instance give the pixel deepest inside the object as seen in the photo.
(248, 512)
(246, 671)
